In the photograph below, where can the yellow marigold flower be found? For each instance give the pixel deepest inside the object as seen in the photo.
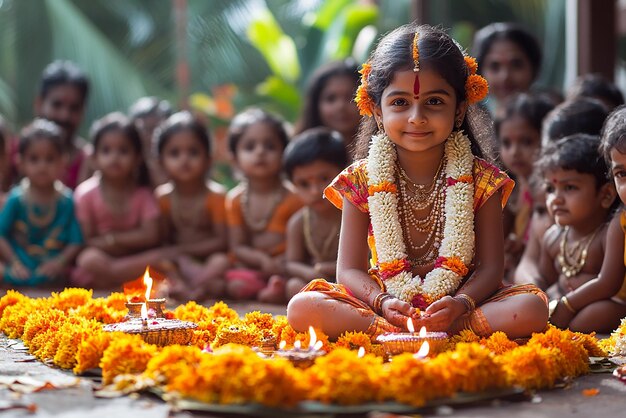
(591, 344)
(341, 377)
(354, 341)
(221, 310)
(125, 354)
(91, 349)
(70, 298)
(476, 88)
(465, 336)
(498, 343)
(575, 359)
(11, 298)
(172, 361)
(14, 316)
(531, 366)
(236, 332)
(262, 321)
(116, 301)
(38, 323)
(72, 334)
(471, 64)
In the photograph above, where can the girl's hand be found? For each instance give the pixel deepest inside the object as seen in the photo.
(440, 315)
(19, 271)
(397, 312)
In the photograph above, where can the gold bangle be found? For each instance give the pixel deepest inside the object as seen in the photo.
(467, 300)
(568, 305)
(377, 305)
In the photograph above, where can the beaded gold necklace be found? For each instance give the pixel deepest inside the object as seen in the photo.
(573, 260)
(259, 225)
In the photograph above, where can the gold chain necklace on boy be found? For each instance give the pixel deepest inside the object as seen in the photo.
(572, 262)
(417, 197)
(259, 225)
(327, 250)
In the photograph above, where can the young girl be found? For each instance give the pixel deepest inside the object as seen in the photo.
(39, 235)
(193, 215)
(574, 252)
(116, 209)
(328, 100)
(257, 210)
(519, 135)
(312, 159)
(427, 205)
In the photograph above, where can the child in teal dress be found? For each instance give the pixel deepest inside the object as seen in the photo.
(39, 234)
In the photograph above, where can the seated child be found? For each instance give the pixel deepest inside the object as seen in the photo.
(146, 114)
(5, 164)
(193, 215)
(424, 202)
(518, 130)
(311, 160)
(257, 210)
(581, 199)
(39, 234)
(116, 209)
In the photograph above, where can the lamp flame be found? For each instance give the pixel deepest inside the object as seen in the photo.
(313, 337)
(282, 345)
(318, 345)
(297, 345)
(423, 332)
(409, 325)
(147, 280)
(361, 352)
(423, 351)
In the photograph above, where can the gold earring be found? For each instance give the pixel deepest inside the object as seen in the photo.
(458, 123)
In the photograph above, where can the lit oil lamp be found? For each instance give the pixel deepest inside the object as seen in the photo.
(302, 357)
(423, 343)
(147, 320)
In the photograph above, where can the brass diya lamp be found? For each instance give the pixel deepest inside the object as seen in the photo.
(302, 357)
(423, 343)
(147, 319)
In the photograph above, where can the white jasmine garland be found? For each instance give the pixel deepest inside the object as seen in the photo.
(458, 233)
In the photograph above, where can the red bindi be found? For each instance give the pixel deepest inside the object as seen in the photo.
(416, 86)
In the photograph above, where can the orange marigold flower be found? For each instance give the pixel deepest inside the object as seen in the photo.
(476, 88)
(354, 341)
(465, 179)
(471, 64)
(591, 391)
(391, 268)
(455, 265)
(363, 100)
(382, 187)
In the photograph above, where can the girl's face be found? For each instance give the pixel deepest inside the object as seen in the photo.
(337, 109)
(259, 152)
(618, 169)
(573, 197)
(184, 158)
(115, 156)
(417, 125)
(507, 69)
(519, 145)
(64, 106)
(42, 163)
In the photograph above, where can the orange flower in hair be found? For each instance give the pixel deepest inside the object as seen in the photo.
(476, 88)
(363, 100)
(471, 64)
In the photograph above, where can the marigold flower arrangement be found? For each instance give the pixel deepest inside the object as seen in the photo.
(615, 344)
(237, 374)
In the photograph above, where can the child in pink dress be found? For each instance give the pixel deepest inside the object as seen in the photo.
(116, 209)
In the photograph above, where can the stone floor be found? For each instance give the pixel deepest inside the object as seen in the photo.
(78, 400)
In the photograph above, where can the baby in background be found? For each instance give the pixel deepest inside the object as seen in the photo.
(582, 201)
(312, 160)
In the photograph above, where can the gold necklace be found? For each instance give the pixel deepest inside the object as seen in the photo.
(260, 224)
(572, 263)
(194, 213)
(40, 216)
(327, 251)
(432, 224)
